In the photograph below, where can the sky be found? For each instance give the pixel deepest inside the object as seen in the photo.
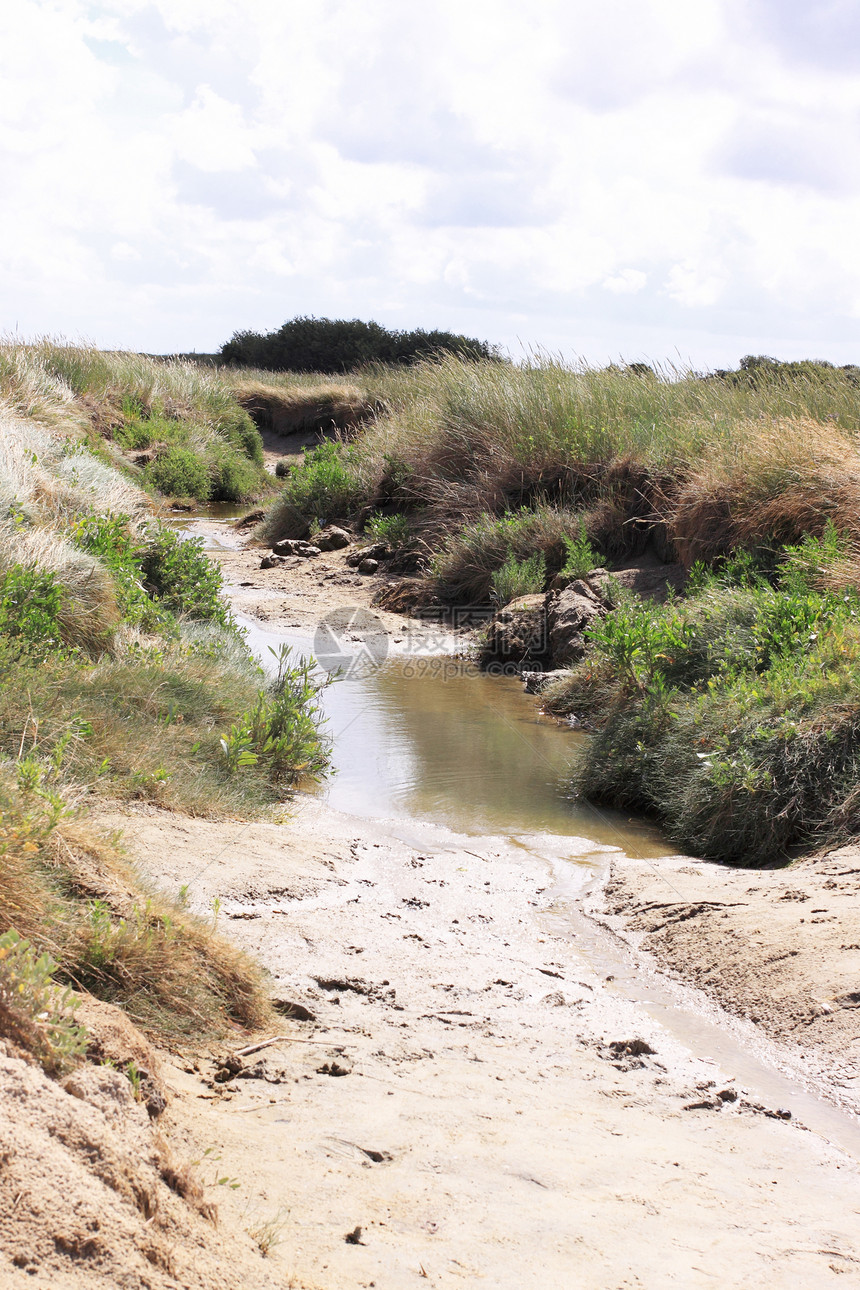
(663, 180)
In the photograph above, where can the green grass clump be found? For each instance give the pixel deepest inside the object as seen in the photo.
(325, 486)
(733, 715)
(468, 561)
(393, 529)
(519, 578)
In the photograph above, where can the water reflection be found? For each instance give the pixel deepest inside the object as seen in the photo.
(434, 739)
(469, 751)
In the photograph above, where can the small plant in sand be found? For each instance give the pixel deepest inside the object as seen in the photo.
(35, 1012)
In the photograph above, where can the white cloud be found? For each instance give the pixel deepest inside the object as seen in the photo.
(626, 282)
(607, 178)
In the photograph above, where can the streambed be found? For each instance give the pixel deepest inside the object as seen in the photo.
(429, 741)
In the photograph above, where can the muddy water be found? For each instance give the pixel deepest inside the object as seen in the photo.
(434, 739)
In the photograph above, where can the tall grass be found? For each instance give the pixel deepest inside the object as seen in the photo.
(122, 674)
(691, 466)
(127, 404)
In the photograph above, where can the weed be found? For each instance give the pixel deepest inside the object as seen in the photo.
(519, 578)
(35, 1013)
(393, 529)
(580, 555)
(268, 1233)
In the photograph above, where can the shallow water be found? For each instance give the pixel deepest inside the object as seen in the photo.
(434, 739)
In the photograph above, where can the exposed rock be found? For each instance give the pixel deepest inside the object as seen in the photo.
(569, 613)
(647, 577)
(376, 551)
(517, 633)
(294, 546)
(271, 561)
(368, 566)
(332, 539)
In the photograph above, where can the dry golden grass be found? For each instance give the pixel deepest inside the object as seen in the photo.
(72, 892)
(289, 410)
(776, 481)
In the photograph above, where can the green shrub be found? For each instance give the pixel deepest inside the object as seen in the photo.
(178, 472)
(35, 1013)
(110, 539)
(30, 606)
(519, 578)
(233, 477)
(393, 529)
(177, 573)
(334, 345)
(734, 715)
(324, 486)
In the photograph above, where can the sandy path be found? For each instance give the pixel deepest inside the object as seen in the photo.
(494, 1126)
(487, 1130)
(780, 947)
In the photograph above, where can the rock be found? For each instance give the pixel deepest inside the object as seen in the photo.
(569, 613)
(271, 561)
(535, 682)
(332, 539)
(368, 566)
(517, 634)
(112, 1039)
(647, 577)
(295, 546)
(376, 551)
(334, 1068)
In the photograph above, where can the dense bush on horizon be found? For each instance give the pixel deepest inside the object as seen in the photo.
(336, 345)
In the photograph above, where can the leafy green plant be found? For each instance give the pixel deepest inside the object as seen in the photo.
(324, 486)
(179, 472)
(282, 730)
(519, 578)
(177, 573)
(34, 1011)
(393, 529)
(580, 556)
(30, 605)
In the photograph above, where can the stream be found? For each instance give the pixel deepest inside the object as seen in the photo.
(432, 739)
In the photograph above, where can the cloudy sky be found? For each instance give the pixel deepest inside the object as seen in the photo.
(628, 178)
